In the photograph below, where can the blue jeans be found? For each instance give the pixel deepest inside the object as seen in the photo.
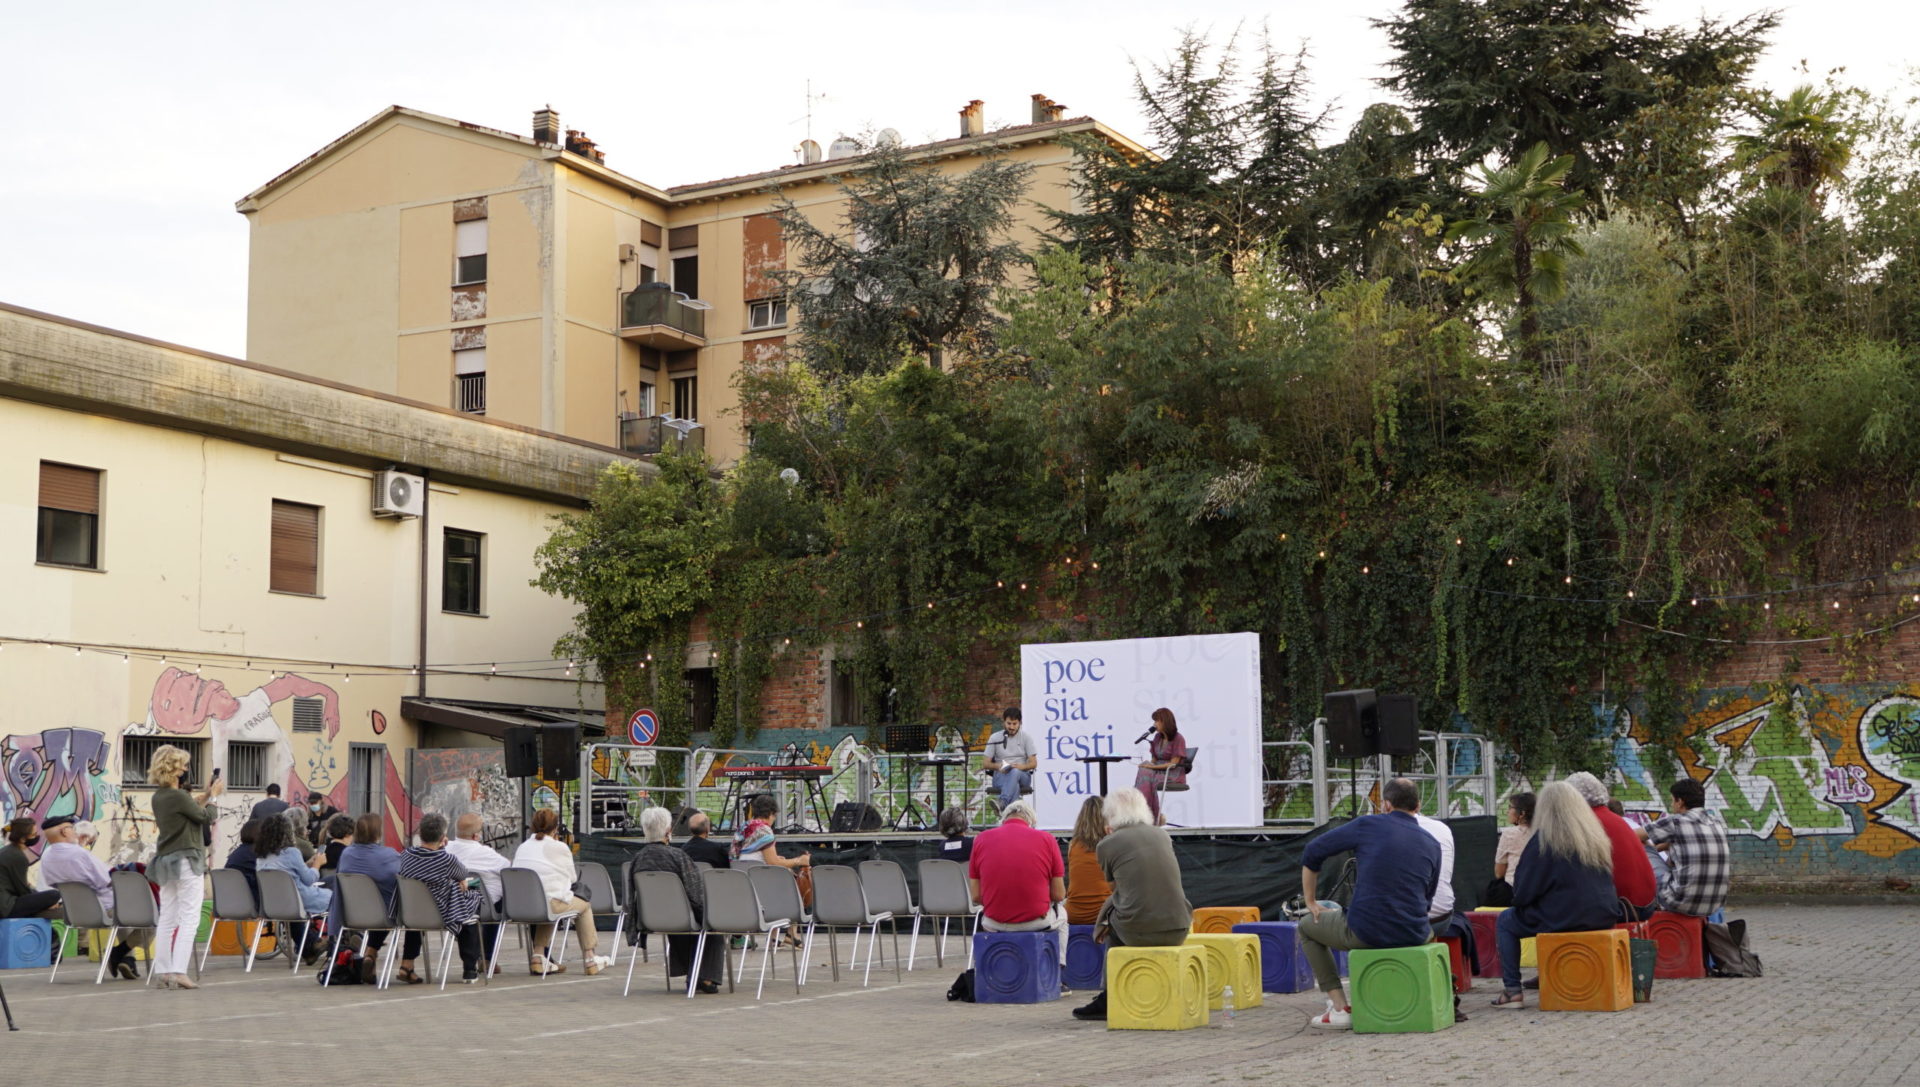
(1508, 932)
(1009, 783)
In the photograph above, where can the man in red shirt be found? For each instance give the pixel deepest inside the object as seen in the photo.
(1632, 871)
(1018, 877)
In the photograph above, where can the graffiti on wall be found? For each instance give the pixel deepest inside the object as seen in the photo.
(57, 771)
(457, 780)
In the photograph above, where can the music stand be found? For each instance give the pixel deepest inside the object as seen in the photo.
(1102, 760)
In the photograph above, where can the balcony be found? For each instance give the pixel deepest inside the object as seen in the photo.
(644, 435)
(655, 315)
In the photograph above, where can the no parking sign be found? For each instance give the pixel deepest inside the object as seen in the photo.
(643, 727)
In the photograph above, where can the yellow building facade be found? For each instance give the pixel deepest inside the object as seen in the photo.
(519, 277)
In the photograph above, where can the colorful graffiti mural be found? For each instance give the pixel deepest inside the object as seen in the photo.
(58, 771)
(457, 780)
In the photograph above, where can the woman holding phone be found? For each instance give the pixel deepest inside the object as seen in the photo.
(179, 864)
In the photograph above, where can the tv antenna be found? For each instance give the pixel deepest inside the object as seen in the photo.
(811, 98)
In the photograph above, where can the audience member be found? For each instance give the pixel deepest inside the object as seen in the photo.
(658, 855)
(1011, 757)
(754, 843)
(242, 858)
(339, 835)
(1087, 889)
(1699, 868)
(1513, 839)
(1399, 872)
(65, 860)
(1565, 884)
(17, 896)
(484, 862)
(85, 834)
(297, 834)
(446, 878)
(319, 813)
(274, 848)
(179, 864)
(954, 844)
(1166, 761)
(1632, 872)
(1018, 878)
(700, 845)
(371, 857)
(272, 805)
(1440, 907)
(1148, 906)
(544, 854)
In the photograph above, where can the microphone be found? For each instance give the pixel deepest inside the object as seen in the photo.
(1143, 736)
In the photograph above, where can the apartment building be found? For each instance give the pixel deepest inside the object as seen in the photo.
(522, 278)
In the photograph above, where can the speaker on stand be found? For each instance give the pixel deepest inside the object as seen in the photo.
(521, 746)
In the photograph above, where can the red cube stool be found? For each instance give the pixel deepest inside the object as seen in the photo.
(1680, 942)
(1486, 945)
(1457, 962)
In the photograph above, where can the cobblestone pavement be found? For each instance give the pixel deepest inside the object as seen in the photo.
(1836, 1007)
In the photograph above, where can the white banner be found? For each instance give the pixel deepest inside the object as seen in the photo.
(1095, 698)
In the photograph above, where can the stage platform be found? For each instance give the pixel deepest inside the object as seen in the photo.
(1229, 866)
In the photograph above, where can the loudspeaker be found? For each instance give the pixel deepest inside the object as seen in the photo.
(1352, 728)
(1399, 720)
(560, 752)
(522, 749)
(850, 817)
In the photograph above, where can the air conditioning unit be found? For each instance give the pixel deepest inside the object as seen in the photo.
(397, 494)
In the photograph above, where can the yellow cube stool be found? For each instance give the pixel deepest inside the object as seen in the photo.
(97, 945)
(1585, 971)
(1231, 960)
(1223, 918)
(1156, 988)
(1529, 950)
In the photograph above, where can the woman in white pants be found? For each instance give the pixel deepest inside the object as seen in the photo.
(179, 864)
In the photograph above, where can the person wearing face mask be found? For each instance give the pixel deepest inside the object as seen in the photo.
(17, 896)
(318, 813)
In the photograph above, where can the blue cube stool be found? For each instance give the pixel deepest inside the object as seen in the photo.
(1283, 965)
(1015, 967)
(25, 942)
(1086, 959)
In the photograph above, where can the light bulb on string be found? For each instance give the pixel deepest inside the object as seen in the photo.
(1629, 594)
(1836, 605)
(1366, 569)
(1023, 586)
(999, 584)
(1096, 565)
(1569, 579)
(1509, 560)
(1696, 602)
(1767, 606)
(76, 650)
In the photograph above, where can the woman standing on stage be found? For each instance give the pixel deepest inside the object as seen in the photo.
(1165, 765)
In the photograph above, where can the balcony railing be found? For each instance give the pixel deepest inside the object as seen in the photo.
(658, 316)
(647, 434)
(472, 393)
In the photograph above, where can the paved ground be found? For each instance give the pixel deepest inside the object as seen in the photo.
(1836, 1007)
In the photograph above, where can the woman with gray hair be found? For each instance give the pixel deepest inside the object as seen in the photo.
(452, 888)
(1148, 906)
(659, 855)
(1565, 881)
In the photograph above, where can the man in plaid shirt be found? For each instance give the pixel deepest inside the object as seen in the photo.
(1699, 868)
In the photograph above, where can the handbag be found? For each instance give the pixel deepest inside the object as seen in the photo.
(804, 877)
(1498, 893)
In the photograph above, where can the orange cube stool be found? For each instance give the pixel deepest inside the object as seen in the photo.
(1221, 919)
(1462, 976)
(234, 937)
(1585, 971)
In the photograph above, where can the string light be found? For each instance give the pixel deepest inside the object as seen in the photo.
(1509, 560)
(1629, 594)
(999, 584)
(1366, 569)
(1696, 601)
(1457, 541)
(1096, 566)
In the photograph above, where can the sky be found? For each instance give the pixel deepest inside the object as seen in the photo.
(136, 126)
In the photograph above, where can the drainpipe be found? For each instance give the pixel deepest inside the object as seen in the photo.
(426, 516)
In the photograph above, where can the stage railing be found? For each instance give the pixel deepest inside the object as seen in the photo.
(617, 781)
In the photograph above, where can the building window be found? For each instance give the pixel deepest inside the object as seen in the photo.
(470, 377)
(847, 712)
(703, 690)
(767, 313)
(247, 765)
(460, 572)
(469, 252)
(309, 714)
(686, 391)
(366, 779)
(69, 529)
(686, 275)
(646, 399)
(295, 559)
(136, 754)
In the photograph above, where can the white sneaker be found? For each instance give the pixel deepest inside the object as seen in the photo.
(1332, 1019)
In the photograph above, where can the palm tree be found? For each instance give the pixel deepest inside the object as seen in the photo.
(1801, 144)
(1523, 233)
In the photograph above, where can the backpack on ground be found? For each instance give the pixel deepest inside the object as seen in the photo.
(1727, 945)
(962, 987)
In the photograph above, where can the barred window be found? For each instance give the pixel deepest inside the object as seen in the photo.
(247, 765)
(136, 753)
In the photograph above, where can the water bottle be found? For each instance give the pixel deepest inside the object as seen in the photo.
(1226, 1003)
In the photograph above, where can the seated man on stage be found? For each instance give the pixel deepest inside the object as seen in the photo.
(1018, 877)
(1399, 871)
(1012, 758)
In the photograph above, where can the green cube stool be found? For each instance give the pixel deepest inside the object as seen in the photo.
(1401, 990)
(66, 938)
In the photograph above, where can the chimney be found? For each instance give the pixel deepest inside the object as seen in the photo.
(581, 144)
(1046, 109)
(973, 120)
(546, 126)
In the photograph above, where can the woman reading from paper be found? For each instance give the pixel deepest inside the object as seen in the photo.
(1166, 762)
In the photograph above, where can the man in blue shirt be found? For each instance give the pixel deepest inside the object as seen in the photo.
(1399, 868)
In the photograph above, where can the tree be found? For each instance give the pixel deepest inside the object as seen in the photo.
(1800, 142)
(1524, 230)
(911, 268)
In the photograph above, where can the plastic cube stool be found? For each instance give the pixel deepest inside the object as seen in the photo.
(1529, 951)
(1682, 945)
(1222, 918)
(234, 937)
(1016, 967)
(1486, 943)
(1585, 971)
(1457, 963)
(1156, 988)
(67, 938)
(1283, 964)
(1401, 990)
(1086, 959)
(1232, 959)
(26, 941)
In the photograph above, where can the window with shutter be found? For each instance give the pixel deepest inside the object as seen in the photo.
(68, 532)
(295, 553)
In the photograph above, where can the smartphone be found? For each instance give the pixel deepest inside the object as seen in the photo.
(216, 774)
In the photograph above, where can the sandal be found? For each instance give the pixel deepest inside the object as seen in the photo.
(407, 975)
(1510, 998)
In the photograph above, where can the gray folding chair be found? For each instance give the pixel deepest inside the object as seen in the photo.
(524, 898)
(280, 903)
(886, 886)
(418, 912)
(945, 893)
(733, 909)
(363, 909)
(1181, 786)
(661, 901)
(840, 902)
(84, 914)
(232, 901)
(626, 888)
(779, 894)
(606, 900)
(133, 909)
